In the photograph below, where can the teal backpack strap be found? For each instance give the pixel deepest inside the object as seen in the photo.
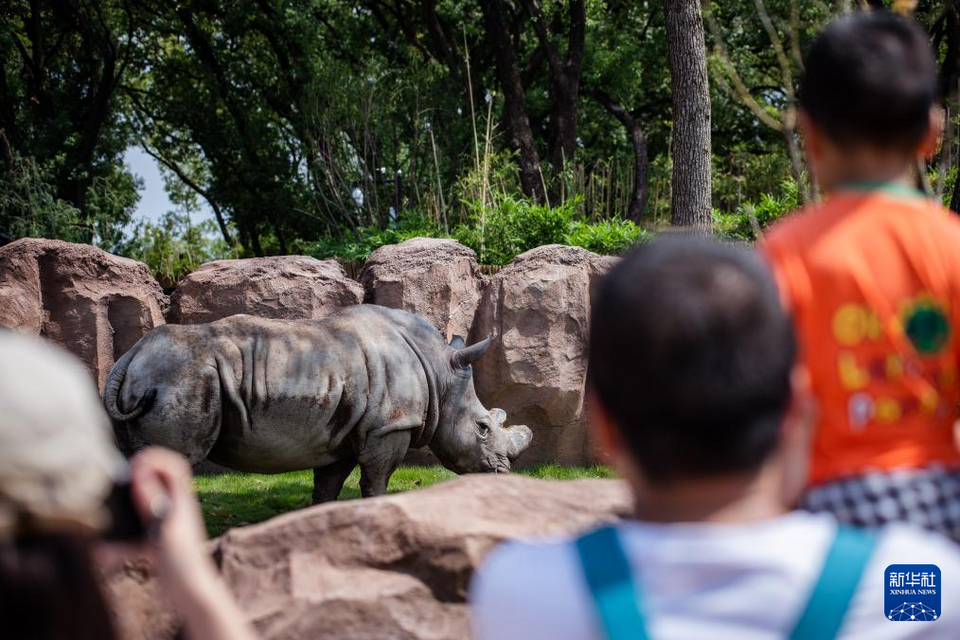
(616, 598)
(842, 570)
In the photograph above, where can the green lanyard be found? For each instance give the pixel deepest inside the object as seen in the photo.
(892, 188)
(618, 601)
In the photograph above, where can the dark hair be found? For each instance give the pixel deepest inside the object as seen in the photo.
(871, 78)
(49, 591)
(691, 356)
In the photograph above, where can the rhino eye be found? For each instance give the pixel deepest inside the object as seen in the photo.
(483, 428)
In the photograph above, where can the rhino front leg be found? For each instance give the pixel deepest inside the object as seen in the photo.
(328, 481)
(379, 459)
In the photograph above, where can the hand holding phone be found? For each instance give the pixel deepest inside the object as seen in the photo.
(126, 524)
(162, 493)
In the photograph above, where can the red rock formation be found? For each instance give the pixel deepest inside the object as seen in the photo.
(288, 287)
(392, 567)
(539, 307)
(437, 279)
(95, 304)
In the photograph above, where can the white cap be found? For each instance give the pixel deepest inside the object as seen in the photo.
(57, 454)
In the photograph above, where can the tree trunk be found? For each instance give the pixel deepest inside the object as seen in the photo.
(563, 122)
(514, 108)
(564, 81)
(691, 114)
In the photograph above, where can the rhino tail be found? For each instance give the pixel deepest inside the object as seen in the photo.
(111, 392)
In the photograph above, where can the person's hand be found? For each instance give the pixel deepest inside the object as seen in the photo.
(163, 494)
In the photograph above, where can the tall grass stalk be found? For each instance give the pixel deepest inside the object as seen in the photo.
(436, 164)
(473, 113)
(485, 180)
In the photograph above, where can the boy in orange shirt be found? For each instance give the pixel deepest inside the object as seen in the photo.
(872, 278)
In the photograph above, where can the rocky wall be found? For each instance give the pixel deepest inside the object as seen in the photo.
(537, 308)
(95, 304)
(397, 566)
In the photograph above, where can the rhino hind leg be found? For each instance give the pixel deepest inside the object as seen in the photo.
(379, 459)
(328, 481)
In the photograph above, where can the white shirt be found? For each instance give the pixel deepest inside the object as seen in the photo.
(714, 581)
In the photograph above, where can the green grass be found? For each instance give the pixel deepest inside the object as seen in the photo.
(235, 499)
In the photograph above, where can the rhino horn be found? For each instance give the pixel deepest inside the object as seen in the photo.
(457, 342)
(468, 355)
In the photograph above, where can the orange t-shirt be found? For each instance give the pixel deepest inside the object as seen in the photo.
(872, 279)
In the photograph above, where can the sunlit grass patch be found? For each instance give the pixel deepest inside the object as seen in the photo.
(235, 499)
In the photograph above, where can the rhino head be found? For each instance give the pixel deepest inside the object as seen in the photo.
(469, 438)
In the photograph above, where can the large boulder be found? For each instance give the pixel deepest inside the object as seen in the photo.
(437, 279)
(392, 567)
(287, 287)
(95, 304)
(539, 307)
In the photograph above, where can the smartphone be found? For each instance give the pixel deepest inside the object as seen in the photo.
(125, 522)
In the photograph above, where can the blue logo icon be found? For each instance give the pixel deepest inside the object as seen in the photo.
(912, 592)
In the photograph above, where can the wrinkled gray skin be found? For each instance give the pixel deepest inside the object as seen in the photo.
(268, 396)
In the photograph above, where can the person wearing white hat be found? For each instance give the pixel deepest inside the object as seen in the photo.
(61, 481)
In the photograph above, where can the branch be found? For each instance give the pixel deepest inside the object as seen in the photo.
(778, 49)
(529, 71)
(409, 32)
(543, 34)
(444, 47)
(795, 34)
(741, 89)
(6, 153)
(187, 180)
(638, 140)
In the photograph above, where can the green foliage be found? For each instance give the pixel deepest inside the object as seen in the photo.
(29, 206)
(945, 189)
(514, 225)
(745, 173)
(234, 499)
(346, 246)
(606, 237)
(740, 224)
(110, 203)
(496, 233)
(279, 112)
(174, 247)
(60, 107)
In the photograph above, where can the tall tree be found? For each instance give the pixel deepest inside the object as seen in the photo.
(514, 109)
(691, 191)
(564, 66)
(564, 72)
(60, 66)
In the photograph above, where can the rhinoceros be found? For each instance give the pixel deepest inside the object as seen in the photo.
(361, 386)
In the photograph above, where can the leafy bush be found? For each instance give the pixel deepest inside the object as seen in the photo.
(498, 234)
(347, 247)
(747, 172)
(945, 189)
(174, 246)
(606, 237)
(29, 206)
(768, 210)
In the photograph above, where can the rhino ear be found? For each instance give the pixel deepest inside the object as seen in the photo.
(462, 358)
(457, 342)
